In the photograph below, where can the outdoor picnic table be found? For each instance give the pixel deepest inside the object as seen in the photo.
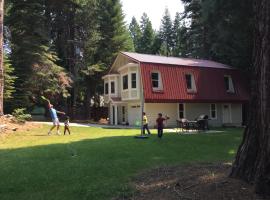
(200, 124)
(187, 125)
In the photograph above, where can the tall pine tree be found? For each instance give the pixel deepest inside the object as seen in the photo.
(113, 31)
(180, 44)
(9, 88)
(32, 55)
(148, 35)
(220, 30)
(166, 33)
(135, 32)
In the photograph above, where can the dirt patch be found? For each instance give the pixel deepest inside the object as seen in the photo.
(8, 125)
(193, 182)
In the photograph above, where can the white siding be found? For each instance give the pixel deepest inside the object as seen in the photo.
(194, 110)
(134, 113)
(236, 114)
(169, 109)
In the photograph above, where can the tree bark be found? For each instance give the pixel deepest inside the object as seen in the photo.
(252, 162)
(1, 57)
(87, 102)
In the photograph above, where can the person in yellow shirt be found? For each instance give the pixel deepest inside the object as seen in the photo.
(145, 124)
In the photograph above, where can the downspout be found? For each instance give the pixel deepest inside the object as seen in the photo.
(142, 98)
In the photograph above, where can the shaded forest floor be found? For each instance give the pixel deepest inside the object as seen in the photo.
(191, 182)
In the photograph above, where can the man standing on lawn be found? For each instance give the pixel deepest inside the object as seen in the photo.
(55, 119)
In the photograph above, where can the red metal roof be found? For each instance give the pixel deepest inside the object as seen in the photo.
(209, 83)
(146, 58)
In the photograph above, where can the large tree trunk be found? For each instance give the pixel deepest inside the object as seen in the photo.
(87, 101)
(252, 162)
(1, 56)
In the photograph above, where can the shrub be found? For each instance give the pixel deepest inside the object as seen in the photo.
(20, 115)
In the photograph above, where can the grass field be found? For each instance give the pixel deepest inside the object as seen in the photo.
(97, 163)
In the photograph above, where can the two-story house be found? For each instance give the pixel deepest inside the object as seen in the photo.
(176, 87)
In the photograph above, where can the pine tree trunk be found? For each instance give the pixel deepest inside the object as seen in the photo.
(252, 162)
(1, 56)
(87, 102)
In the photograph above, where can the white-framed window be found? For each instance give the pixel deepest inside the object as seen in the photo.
(125, 82)
(156, 81)
(181, 110)
(112, 87)
(190, 82)
(106, 88)
(213, 111)
(133, 80)
(229, 87)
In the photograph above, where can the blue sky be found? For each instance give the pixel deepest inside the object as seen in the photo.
(153, 8)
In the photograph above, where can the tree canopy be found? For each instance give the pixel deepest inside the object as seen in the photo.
(64, 51)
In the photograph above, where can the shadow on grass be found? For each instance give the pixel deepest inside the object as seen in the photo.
(101, 168)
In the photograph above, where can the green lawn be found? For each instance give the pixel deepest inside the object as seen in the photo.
(97, 163)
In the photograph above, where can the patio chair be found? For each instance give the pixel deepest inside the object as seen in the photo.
(183, 125)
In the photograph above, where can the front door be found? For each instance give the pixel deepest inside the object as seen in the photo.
(134, 117)
(113, 114)
(123, 114)
(226, 112)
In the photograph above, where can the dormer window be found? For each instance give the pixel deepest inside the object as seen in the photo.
(229, 87)
(125, 82)
(190, 83)
(106, 88)
(156, 81)
(133, 80)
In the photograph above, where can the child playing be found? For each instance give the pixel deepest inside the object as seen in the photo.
(66, 125)
(160, 124)
(145, 124)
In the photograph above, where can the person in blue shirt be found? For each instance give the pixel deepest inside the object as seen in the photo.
(55, 119)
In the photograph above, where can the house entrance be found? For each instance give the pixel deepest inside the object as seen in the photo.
(113, 114)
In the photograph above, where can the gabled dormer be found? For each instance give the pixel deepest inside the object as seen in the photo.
(111, 86)
(130, 81)
(123, 80)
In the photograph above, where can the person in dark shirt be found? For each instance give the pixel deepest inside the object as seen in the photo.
(160, 124)
(66, 125)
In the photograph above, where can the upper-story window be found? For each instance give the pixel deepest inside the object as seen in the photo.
(112, 87)
(125, 82)
(156, 81)
(190, 83)
(106, 88)
(229, 87)
(133, 80)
